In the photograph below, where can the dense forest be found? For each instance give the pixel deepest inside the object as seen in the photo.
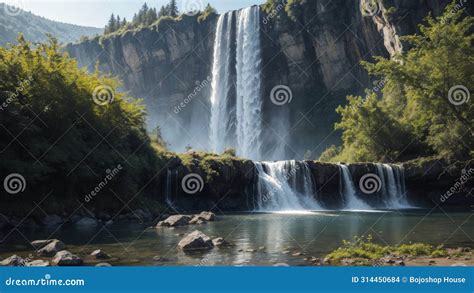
(35, 28)
(65, 129)
(419, 106)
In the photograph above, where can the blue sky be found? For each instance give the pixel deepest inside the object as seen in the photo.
(97, 12)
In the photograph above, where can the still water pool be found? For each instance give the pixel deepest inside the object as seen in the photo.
(258, 238)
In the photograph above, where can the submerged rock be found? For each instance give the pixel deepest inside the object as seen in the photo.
(65, 258)
(195, 241)
(173, 221)
(38, 263)
(13, 260)
(86, 221)
(99, 254)
(52, 248)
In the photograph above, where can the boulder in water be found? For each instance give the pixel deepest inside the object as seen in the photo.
(65, 258)
(99, 254)
(13, 260)
(52, 248)
(38, 244)
(176, 220)
(197, 220)
(219, 241)
(103, 264)
(195, 241)
(208, 216)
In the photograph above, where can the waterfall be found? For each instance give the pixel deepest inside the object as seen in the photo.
(393, 186)
(169, 192)
(352, 202)
(285, 185)
(249, 103)
(220, 119)
(244, 130)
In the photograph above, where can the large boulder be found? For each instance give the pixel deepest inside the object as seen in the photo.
(99, 254)
(52, 220)
(176, 220)
(196, 241)
(208, 216)
(38, 244)
(65, 258)
(197, 220)
(86, 221)
(52, 248)
(13, 260)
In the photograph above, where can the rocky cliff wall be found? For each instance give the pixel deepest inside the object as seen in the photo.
(316, 53)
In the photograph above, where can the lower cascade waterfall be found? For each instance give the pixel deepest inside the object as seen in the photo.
(352, 202)
(393, 189)
(236, 101)
(285, 185)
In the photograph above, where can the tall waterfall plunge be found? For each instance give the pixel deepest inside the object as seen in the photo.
(236, 90)
(285, 185)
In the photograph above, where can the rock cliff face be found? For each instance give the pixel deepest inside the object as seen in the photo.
(231, 185)
(317, 53)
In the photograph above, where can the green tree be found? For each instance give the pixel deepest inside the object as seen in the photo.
(425, 108)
